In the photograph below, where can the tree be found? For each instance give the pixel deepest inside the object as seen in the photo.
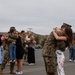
(43, 41)
(37, 38)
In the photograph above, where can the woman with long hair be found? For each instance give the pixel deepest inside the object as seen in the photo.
(67, 41)
(19, 54)
(31, 51)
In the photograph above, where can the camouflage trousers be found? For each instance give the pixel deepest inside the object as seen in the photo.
(50, 65)
(5, 60)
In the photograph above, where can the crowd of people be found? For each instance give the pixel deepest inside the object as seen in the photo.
(13, 47)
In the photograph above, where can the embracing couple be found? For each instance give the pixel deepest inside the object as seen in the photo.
(54, 47)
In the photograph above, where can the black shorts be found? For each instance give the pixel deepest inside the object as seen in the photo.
(19, 54)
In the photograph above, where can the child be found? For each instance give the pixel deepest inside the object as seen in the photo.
(12, 46)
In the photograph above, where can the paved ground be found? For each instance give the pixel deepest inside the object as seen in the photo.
(39, 69)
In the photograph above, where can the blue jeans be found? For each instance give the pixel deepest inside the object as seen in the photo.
(72, 52)
(1, 54)
(12, 51)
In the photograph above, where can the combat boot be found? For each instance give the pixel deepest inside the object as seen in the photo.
(1, 71)
(12, 72)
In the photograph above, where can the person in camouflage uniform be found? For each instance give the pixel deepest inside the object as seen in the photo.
(23, 36)
(6, 56)
(49, 54)
(25, 45)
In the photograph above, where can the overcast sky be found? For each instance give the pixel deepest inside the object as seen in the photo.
(40, 15)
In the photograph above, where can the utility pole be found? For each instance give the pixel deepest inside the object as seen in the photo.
(29, 29)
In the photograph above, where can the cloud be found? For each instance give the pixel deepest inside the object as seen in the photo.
(41, 15)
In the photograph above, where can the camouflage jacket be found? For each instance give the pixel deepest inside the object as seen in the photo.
(51, 44)
(23, 40)
(11, 37)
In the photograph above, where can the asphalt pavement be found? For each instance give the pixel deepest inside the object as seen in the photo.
(39, 68)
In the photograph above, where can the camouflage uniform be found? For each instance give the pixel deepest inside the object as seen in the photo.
(49, 54)
(24, 45)
(11, 38)
(6, 57)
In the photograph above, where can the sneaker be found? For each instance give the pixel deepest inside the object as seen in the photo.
(19, 72)
(31, 64)
(14, 60)
(16, 71)
(12, 72)
(70, 60)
